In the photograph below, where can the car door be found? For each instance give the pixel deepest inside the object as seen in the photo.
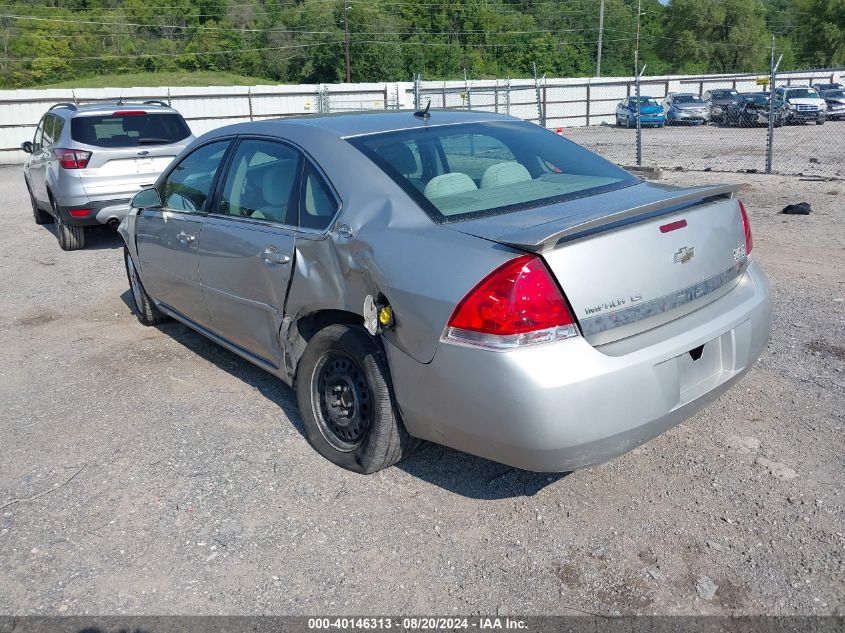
(37, 163)
(167, 237)
(247, 247)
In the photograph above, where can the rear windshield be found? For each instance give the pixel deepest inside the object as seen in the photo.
(457, 172)
(129, 130)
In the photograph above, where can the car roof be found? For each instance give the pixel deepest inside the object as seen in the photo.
(345, 125)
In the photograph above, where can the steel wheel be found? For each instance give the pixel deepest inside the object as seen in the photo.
(345, 409)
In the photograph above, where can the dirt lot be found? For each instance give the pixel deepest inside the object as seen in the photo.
(147, 471)
(808, 149)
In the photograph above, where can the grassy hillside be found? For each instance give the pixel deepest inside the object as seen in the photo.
(131, 80)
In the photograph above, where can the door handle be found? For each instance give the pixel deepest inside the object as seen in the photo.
(272, 256)
(184, 238)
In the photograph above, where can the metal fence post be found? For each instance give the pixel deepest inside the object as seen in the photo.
(508, 97)
(770, 138)
(249, 102)
(639, 123)
(417, 91)
(496, 97)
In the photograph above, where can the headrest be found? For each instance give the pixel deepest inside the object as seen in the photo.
(399, 156)
(449, 185)
(504, 174)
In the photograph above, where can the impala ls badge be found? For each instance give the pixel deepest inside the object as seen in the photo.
(684, 254)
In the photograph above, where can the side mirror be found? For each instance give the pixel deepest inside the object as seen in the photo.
(27, 147)
(146, 199)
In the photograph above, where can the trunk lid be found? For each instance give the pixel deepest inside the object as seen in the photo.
(632, 259)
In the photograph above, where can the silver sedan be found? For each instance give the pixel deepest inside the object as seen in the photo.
(464, 278)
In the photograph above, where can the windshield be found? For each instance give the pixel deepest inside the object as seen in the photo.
(644, 101)
(130, 129)
(724, 94)
(756, 98)
(686, 99)
(456, 172)
(801, 93)
(836, 94)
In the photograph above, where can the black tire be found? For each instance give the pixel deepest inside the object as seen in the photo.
(346, 401)
(71, 238)
(40, 217)
(820, 121)
(145, 309)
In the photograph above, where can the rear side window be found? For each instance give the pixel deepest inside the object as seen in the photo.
(475, 169)
(131, 129)
(318, 205)
(260, 182)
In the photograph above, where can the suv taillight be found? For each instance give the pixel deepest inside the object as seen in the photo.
(72, 158)
(517, 304)
(746, 228)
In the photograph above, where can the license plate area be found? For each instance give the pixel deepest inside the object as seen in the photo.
(701, 368)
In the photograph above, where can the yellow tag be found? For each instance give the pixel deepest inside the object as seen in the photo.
(384, 315)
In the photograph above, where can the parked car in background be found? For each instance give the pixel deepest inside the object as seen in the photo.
(802, 104)
(651, 112)
(719, 100)
(87, 161)
(466, 278)
(752, 109)
(835, 101)
(685, 107)
(831, 86)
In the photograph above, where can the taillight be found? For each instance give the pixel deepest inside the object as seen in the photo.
(72, 158)
(129, 113)
(79, 213)
(746, 228)
(517, 304)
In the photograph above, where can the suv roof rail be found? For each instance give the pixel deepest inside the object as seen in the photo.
(70, 106)
(156, 102)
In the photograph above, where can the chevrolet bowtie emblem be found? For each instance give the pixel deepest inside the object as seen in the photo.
(684, 254)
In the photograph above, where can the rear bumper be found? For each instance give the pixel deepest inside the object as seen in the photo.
(565, 405)
(100, 212)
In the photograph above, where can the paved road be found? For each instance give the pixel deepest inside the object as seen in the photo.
(147, 471)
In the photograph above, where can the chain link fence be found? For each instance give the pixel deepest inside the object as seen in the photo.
(702, 123)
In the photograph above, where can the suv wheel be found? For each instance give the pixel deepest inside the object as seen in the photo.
(145, 309)
(71, 238)
(820, 121)
(346, 401)
(41, 217)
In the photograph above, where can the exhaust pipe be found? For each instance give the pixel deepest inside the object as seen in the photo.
(113, 223)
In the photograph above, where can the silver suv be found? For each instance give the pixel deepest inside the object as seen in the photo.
(87, 161)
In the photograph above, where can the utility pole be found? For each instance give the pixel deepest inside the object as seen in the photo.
(346, 40)
(637, 47)
(601, 32)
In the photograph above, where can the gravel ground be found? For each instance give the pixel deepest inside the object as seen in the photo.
(147, 471)
(810, 149)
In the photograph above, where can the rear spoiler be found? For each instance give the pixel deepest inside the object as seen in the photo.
(547, 235)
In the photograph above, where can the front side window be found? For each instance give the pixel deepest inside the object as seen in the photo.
(260, 182)
(188, 186)
(38, 139)
(491, 168)
(129, 129)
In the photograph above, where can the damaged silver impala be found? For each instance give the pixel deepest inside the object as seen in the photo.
(459, 277)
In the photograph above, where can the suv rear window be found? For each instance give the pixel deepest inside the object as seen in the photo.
(129, 130)
(456, 172)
